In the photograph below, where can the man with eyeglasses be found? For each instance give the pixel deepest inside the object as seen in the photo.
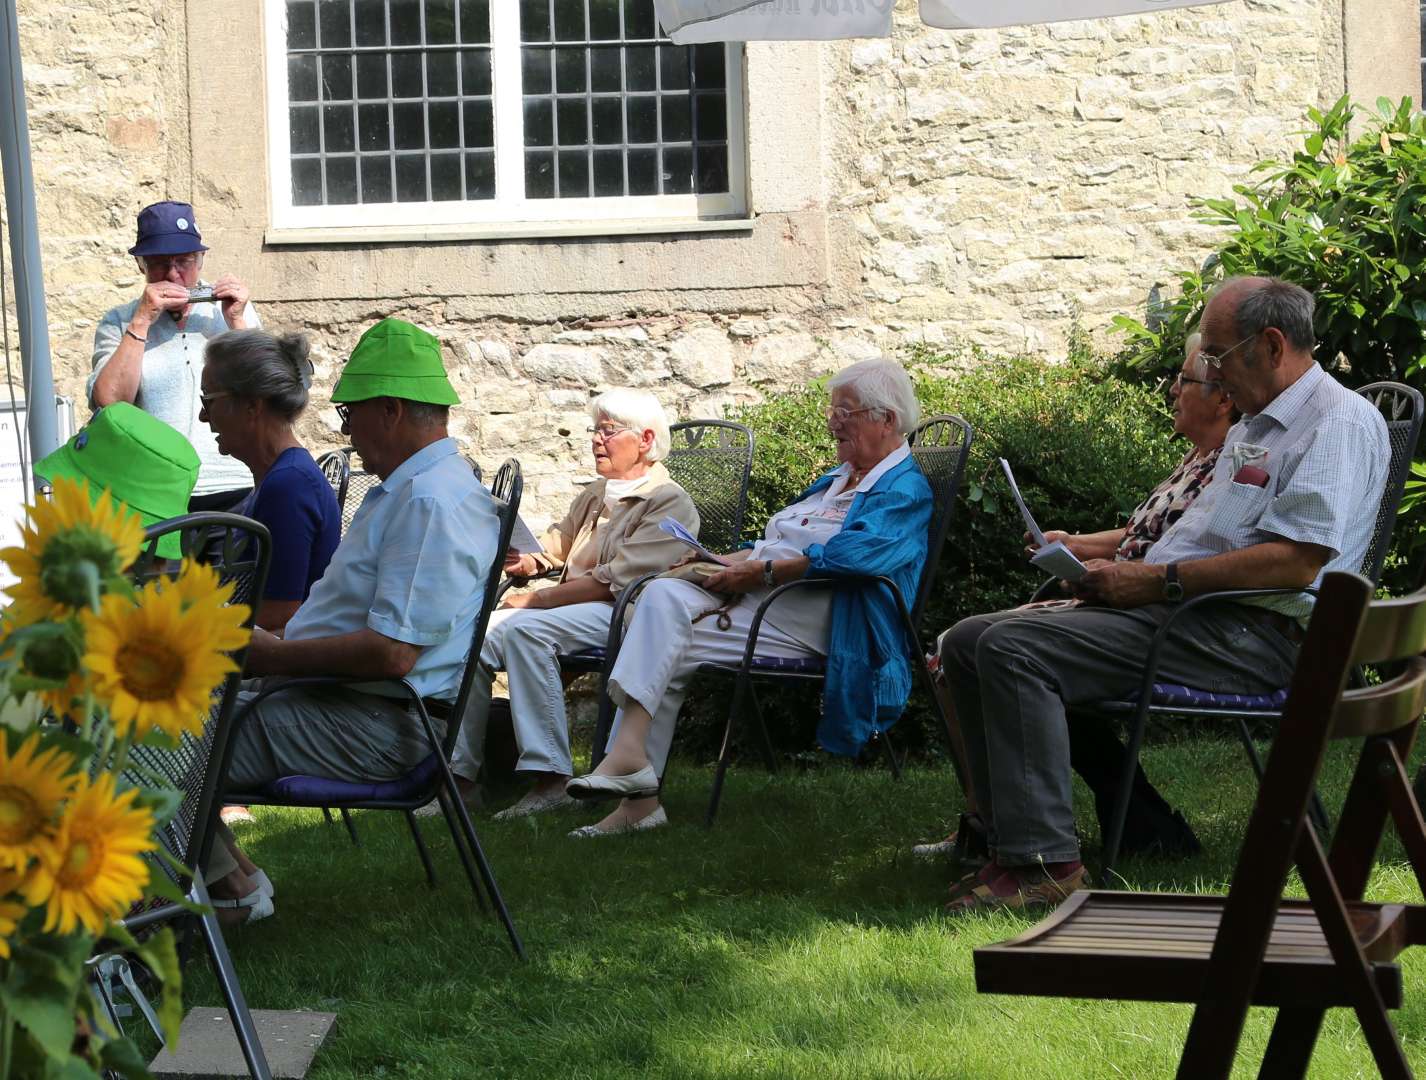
(1294, 494)
(149, 352)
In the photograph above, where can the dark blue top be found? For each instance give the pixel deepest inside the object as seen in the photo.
(299, 508)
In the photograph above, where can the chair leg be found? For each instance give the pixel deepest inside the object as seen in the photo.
(459, 842)
(421, 849)
(453, 803)
(232, 991)
(884, 738)
(1290, 1046)
(351, 828)
(764, 738)
(1122, 796)
(725, 753)
(1316, 809)
(601, 730)
(327, 814)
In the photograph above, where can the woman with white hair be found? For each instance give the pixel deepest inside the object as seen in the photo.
(868, 516)
(610, 536)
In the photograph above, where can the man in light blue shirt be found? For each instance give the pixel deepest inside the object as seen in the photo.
(401, 595)
(1294, 494)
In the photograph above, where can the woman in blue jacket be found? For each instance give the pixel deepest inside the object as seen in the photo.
(868, 516)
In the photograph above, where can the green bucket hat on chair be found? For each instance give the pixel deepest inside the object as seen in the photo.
(144, 463)
(396, 359)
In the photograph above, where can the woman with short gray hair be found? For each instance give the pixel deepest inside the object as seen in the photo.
(869, 516)
(254, 388)
(610, 537)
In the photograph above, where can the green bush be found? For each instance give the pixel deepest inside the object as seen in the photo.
(1343, 219)
(1086, 448)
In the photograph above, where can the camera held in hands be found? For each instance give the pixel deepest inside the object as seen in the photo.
(202, 294)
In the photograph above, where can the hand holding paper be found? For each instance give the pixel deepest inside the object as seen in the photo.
(678, 532)
(1053, 557)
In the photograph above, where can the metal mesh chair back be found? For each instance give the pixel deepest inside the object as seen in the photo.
(712, 460)
(337, 468)
(196, 766)
(1401, 408)
(358, 484)
(941, 447)
(506, 488)
(227, 542)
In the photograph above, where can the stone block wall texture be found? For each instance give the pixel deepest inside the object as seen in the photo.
(982, 188)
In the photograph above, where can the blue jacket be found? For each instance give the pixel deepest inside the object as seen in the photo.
(868, 677)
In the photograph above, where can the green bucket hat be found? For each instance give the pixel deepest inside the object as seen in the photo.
(396, 359)
(143, 462)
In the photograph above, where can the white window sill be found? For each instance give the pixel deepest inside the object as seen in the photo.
(419, 234)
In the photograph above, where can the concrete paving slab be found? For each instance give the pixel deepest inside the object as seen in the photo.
(208, 1048)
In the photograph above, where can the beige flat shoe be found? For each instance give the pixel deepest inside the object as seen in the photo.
(651, 821)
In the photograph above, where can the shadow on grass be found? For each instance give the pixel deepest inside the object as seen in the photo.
(797, 938)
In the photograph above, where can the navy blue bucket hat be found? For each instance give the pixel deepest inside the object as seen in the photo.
(167, 228)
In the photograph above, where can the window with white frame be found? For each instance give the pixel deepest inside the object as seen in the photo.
(432, 112)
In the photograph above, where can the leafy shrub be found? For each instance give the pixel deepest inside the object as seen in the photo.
(1086, 448)
(1343, 219)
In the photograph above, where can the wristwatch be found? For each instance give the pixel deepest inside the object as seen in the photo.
(1173, 588)
(768, 579)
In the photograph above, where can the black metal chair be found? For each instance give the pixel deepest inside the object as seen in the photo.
(1402, 408)
(432, 776)
(196, 769)
(941, 447)
(336, 466)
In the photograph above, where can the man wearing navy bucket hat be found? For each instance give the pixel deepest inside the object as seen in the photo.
(149, 352)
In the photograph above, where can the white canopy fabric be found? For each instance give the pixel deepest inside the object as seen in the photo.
(690, 22)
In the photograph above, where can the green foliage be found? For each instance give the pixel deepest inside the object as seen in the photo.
(1341, 218)
(1086, 448)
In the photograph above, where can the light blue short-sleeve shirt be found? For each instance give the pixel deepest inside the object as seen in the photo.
(412, 566)
(1326, 452)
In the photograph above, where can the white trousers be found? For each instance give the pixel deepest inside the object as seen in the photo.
(526, 644)
(663, 647)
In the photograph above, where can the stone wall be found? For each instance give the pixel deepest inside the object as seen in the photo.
(981, 188)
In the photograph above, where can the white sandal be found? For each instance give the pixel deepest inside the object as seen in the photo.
(264, 883)
(257, 903)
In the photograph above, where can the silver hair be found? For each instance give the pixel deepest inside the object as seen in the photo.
(1191, 344)
(257, 365)
(1277, 303)
(640, 411)
(883, 385)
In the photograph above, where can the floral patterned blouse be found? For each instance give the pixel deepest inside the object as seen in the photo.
(1166, 504)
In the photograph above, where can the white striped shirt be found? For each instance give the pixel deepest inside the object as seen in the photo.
(1327, 461)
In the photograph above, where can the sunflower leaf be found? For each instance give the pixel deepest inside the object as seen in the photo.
(163, 801)
(122, 1057)
(160, 954)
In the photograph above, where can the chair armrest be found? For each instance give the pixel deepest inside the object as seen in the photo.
(837, 582)
(1151, 659)
(520, 582)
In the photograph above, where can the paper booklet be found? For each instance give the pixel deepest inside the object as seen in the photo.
(678, 532)
(1053, 558)
(522, 540)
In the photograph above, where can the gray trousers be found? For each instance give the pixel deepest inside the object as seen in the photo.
(1013, 674)
(334, 732)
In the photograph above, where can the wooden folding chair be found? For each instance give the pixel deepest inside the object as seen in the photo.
(1253, 947)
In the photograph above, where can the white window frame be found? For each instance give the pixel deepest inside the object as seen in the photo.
(506, 208)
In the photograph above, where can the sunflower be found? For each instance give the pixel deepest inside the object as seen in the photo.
(11, 910)
(197, 585)
(156, 663)
(68, 541)
(32, 785)
(96, 871)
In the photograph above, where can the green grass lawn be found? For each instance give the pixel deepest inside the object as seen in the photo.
(798, 938)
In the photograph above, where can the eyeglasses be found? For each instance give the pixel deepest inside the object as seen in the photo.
(841, 415)
(344, 413)
(605, 432)
(1181, 378)
(164, 263)
(1215, 360)
(205, 401)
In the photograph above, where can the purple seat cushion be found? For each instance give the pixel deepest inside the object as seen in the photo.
(788, 665)
(320, 791)
(1171, 694)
